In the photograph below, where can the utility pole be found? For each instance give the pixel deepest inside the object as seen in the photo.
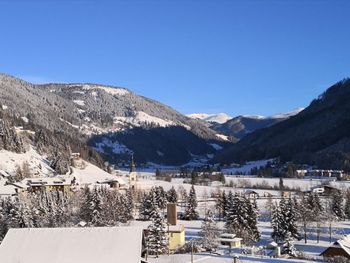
(191, 251)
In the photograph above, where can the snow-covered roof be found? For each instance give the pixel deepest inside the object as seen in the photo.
(114, 180)
(7, 190)
(72, 245)
(343, 243)
(47, 181)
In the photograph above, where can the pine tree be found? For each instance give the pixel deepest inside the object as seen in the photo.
(85, 211)
(278, 224)
(291, 219)
(157, 239)
(337, 206)
(252, 219)
(96, 208)
(221, 204)
(191, 212)
(161, 197)
(231, 212)
(347, 205)
(129, 205)
(209, 233)
(289, 247)
(172, 195)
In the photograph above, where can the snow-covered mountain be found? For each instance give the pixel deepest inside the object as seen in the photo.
(107, 119)
(216, 118)
(238, 127)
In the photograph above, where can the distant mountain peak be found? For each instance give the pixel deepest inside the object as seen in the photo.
(217, 118)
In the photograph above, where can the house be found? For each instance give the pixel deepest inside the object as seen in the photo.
(251, 194)
(317, 190)
(176, 236)
(230, 240)
(68, 245)
(116, 183)
(340, 248)
(48, 184)
(7, 190)
(286, 194)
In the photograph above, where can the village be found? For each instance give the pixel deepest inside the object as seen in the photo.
(176, 219)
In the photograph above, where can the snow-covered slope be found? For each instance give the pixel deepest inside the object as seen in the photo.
(86, 111)
(217, 118)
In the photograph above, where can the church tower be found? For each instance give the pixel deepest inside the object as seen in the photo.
(132, 174)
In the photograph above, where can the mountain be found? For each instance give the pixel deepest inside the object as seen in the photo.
(320, 134)
(106, 118)
(211, 118)
(238, 127)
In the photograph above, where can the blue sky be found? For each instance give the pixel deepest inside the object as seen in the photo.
(238, 57)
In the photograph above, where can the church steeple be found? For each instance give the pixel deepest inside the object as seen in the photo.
(132, 164)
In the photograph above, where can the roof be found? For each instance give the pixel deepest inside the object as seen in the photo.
(343, 243)
(47, 181)
(72, 245)
(114, 180)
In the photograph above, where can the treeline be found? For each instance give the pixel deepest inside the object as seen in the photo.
(96, 207)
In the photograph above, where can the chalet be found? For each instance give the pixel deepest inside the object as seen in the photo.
(286, 194)
(340, 248)
(116, 183)
(176, 236)
(48, 184)
(7, 190)
(230, 240)
(67, 245)
(251, 194)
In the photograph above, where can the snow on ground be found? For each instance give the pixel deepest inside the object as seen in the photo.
(37, 163)
(115, 146)
(142, 117)
(218, 118)
(207, 258)
(245, 169)
(293, 183)
(89, 175)
(110, 90)
(222, 137)
(216, 146)
(79, 102)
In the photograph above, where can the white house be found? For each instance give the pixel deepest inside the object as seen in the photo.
(72, 245)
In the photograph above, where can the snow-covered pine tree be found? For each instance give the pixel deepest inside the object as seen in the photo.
(347, 205)
(209, 233)
(148, 204)
(85, 211)
(221, 204)
(130, 205)
(231, 214)
(161, 197)
(96, 208)
(157, 239)
(291, 219)
(252, 220)
(337, 206)
(172, 195)
(289, 247)
(190, 211)
(278, 225)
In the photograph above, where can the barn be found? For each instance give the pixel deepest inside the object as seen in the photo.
(340, 248)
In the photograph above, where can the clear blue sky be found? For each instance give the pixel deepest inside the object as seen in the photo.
(240, 57)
